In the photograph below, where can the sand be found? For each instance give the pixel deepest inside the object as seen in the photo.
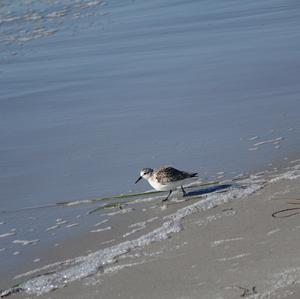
(232, 251)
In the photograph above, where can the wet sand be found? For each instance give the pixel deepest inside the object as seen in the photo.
(236, 249)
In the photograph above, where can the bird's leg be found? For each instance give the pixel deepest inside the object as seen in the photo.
(167, 196)
(183, 191)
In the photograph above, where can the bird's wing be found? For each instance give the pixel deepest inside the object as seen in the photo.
(168, 174)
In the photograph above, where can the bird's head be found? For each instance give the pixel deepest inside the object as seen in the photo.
(145, 173)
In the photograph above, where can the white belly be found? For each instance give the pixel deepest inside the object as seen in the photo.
(170, 186)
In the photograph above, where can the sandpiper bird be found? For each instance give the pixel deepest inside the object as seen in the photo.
(166, 178)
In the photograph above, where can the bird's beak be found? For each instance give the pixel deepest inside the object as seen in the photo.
(138, 179)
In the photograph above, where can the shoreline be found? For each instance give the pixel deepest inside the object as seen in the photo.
(213, 209)
(95, 90)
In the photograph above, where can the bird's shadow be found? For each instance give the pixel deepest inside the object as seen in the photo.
(208, 190)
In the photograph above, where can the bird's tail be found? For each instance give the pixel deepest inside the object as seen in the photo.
(195, 174)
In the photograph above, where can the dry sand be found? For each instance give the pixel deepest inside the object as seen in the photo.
(232, 251)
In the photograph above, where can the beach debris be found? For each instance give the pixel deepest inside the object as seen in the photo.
(294, 201)
(107, 206)
(277, 214)
(247, 292)
(285, 213)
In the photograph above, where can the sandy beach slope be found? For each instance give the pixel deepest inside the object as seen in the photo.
(234, 250)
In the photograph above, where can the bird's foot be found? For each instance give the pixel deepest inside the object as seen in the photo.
(183, 192)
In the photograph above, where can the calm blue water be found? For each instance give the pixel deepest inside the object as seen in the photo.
(166, 82)
(91, 92)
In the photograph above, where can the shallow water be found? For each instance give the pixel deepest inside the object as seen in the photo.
(92, 91)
